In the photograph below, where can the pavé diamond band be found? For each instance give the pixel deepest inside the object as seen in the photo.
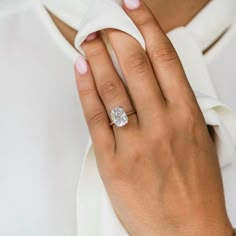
(119, 117)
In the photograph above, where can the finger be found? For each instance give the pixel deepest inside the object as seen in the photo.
(94, 110)
(109, 85)
(164, 59)
(138, 73)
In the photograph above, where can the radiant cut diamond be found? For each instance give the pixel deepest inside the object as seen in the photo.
(119, 116)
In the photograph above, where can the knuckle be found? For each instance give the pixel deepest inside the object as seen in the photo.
(138, 62)
(148, 21)
(95, 51)
(84, 92)
(161, 136)
(110, 88)
(190, 119)
(96, 118)
(164, 53)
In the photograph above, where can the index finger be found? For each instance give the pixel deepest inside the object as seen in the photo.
(165, 61)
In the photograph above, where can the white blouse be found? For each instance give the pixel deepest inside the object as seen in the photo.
(49, 181)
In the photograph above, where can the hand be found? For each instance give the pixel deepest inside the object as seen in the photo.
(160, 170)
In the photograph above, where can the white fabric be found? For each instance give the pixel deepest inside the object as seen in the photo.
(43, 134)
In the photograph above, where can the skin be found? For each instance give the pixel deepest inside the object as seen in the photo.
(161, 170)
(173, 13)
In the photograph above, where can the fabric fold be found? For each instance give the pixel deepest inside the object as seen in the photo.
(212, 22)
(114, 17)
(196, 70)
(72, 12)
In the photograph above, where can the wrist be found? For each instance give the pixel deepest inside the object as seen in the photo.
(223, 228)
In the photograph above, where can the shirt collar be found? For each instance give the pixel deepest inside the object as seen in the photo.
(208, 25)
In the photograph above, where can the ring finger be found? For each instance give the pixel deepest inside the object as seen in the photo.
(109, 85)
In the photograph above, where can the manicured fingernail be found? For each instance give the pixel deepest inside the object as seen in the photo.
(132, 4)
(91, 36)
(81, 65)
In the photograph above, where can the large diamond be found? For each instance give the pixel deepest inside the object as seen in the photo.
(119, 117)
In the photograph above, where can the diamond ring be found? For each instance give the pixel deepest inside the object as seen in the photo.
(119, 117)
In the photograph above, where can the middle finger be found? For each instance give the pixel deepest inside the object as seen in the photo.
(139, 74)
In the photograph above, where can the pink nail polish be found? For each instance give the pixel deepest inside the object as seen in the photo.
(91, 36)
(81, 65)
(132, 4)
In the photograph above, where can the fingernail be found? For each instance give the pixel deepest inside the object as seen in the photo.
(81, 65)
(132, 4)
(91, 36)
